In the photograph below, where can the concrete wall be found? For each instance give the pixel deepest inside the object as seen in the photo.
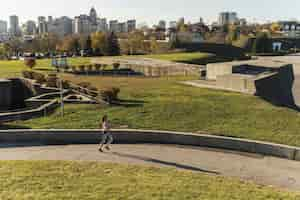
(5, 94)
(55, 137)
(237, 82)
(214, 70)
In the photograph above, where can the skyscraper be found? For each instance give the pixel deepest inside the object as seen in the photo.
(227, 18)
(30, 28)
(102, 25)
(131, 25)
(93, 16)
(14, 27)
(3, 26)
(42, 25)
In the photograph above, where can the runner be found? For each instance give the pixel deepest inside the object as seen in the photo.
(107, 137)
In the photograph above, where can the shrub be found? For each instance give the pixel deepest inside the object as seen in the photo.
(89, 68)
(30, 62)
(51, 80)
(81, 68)
(98, 67)
(27, 74)
(110, 94)
(85, 84)
(74, 69)
(39, 77)
(116, 66)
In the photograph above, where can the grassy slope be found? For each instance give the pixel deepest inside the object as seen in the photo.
(13, 68)
(89, 180)
(171, 106)
(180, 56)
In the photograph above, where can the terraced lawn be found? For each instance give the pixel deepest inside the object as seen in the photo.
(22, 180)
(163, 103)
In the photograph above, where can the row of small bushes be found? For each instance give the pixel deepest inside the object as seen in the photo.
(50, 80)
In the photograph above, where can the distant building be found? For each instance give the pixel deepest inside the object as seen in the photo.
(131, 25)
(102, 25)
(42, 25)
(226, 18)
(4, 37)
(93, 16)
(162, 25)
(3, 26)
(30, 28)
(122, 28)
(82, 25)
(14, 28)
(113, 25)
(173, 24)
(290, 28)
(61, 26)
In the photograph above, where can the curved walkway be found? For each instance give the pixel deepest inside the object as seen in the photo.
(260, 169)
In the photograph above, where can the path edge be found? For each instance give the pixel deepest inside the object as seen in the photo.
(132, 136)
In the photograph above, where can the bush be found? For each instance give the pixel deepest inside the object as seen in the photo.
(89, 68)
(110, 94)
(51, 80)
(116, 66)
(39, 77)
(30, 62)
(81, 68)
(98, 67)
(27, 74)
(85, 84)
(74, 69)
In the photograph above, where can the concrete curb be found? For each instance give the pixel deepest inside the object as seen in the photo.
(131, 136)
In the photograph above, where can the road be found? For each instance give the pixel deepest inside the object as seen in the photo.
(260, 169)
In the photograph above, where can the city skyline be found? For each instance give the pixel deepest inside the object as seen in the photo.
(152, 12)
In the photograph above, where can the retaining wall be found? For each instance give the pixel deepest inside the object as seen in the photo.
(51, 137)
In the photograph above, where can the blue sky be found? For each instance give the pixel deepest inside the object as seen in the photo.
(151, 11)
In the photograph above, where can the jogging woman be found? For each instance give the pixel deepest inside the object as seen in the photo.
(107, 137)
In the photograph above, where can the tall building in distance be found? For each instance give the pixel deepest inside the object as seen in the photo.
(3, 26)
(61, 26)
(131, 25)
(82, 25)
(42, 25)
(93, 16)
(30, 28)
(226, 18)
(102, 25)
(14, 28)
(113, 25)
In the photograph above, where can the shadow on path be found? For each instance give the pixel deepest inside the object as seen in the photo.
(173, 164)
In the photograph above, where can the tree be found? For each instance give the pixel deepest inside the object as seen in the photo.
(70, 44)
(30, 62)
(233, 34)
(3, 51)
(154, 47)
(261, 43)
(113, 47)
(99, 43)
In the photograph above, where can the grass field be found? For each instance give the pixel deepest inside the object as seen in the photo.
(24, 180)
(13, 68)
(161, 103)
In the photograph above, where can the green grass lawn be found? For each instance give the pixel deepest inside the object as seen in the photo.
(22, 180)
(167, 105)
(179, 57)
(14, 67)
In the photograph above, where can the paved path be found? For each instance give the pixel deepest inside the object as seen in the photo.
(262, 170)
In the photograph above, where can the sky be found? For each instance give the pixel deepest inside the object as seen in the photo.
(151, 11)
